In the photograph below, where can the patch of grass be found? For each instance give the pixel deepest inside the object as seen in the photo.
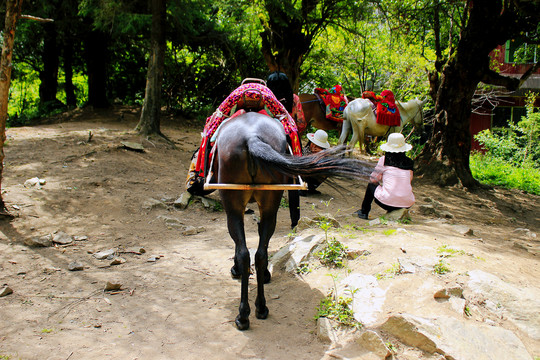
(338, 310)
(284, 204)
(334, 254)
(441, 268)
(46, 331)
(445, 249)
(303, 269)
(390, 273)
(496, 171)
(389, 232)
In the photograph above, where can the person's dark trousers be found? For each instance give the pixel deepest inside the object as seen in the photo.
(369, 197)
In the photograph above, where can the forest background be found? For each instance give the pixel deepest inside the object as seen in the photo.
(102, 52)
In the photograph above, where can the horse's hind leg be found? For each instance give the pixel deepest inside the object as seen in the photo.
(235, 223)
(267, 226)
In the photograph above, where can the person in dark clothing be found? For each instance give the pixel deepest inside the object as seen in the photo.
(317, 142)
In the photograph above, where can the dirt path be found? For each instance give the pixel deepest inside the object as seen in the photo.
(181, 306)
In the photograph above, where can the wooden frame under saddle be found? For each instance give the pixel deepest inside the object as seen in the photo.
(216, 186)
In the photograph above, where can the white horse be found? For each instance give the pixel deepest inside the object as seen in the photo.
(359, 116)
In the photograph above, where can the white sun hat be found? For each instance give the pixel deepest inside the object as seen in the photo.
(396, 143)
(320, 138)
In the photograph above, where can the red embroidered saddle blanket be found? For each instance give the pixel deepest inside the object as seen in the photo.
(235, 105)
(386, 110)
(334, 101)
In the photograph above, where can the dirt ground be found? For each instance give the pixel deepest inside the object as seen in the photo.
(182, 306)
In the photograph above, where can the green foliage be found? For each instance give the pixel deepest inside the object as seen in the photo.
(334, 254)
(441, 268)
(303, 269)
(495, 171)
(389, 273)
(339, 310)
(512, 157)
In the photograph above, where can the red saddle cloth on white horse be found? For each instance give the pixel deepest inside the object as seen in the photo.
(385, 108)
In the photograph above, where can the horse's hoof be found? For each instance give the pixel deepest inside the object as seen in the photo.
(262, 314)
(267, 276)
(241, 324)
(235, 273)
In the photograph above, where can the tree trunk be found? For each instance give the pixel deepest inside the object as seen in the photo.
(149, 122)
(13, 11)
(445, 159)
(71, 99)
(96, 51)
(49, 75)
(284, 45)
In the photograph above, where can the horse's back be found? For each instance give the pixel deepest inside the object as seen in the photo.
(358, 109)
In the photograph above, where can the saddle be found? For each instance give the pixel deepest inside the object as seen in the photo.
(384, 107)
(334, 102)
(251, 95)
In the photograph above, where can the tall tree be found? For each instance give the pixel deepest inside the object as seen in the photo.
(290, 28)
(13, 11)
(151, 111)
(470, 30)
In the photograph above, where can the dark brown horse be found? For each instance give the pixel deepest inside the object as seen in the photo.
(315, 114)
(250, 155)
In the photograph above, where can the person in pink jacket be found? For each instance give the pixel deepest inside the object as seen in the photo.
(390, 181)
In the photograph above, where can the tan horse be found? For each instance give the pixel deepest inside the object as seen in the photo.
(315, 115)
(360, 117)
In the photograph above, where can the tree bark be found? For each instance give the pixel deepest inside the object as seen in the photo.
(13, 11)
(71, 99)
(96, 54)
(445, 158)
(49, 74)
(149, 122)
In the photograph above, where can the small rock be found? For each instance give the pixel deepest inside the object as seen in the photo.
(526, 232)
(406, 267)
(62, 238)
(371, 341)
(171, 221)
(400, 214)
(428, 210)
(51, 270)
(153, 258)
(154, 204)
(75, 266)
(132, 146)
(5, 291)
(469, 232)
(183, 201)
(446, 293)
(35, 181)
(118, 261)
(305, 223)
(325, 330)
(446, 214)
(105, 254)
(354, 253)
(42, 241)
(192, 230)
(80, 238)
(113, 285)
(376, 221)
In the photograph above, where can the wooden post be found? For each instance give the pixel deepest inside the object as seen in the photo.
(13, 11)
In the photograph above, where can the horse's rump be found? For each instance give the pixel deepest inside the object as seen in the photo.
(260, 144)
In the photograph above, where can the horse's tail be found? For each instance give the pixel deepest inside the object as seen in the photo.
(330, 162)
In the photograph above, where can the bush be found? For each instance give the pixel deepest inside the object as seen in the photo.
(512, 157)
